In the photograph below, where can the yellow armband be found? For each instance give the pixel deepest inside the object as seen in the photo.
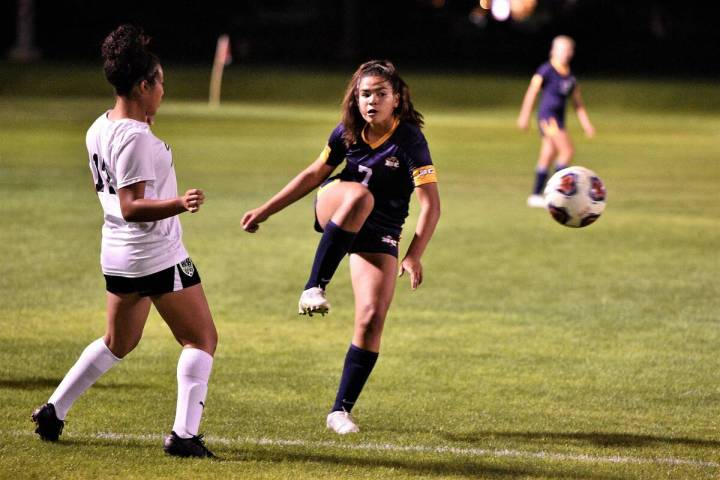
(424, 175)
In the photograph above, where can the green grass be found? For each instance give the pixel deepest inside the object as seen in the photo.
(526, 337)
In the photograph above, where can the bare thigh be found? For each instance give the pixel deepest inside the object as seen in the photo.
(548, 152)
(126, 317)
(347, 204)
(563, 144)
(188, 315)
(373, 280)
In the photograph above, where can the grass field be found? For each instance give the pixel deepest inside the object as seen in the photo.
(531, 351)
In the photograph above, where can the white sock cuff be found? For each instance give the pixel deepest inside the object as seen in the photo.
(195, 363)
(100, 355)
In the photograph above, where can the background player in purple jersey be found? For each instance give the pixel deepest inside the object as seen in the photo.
(361, 211)
(557, 84)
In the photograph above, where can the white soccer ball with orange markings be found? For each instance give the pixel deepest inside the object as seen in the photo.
(575, 196)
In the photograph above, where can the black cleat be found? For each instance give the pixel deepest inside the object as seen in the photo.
(186, 447)
(49, 427)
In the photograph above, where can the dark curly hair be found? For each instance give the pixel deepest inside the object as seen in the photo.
(353, 121)
(127, 60)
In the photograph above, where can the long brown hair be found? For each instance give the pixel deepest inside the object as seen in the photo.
(353, 121)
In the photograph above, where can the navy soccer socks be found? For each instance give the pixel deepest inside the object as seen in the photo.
(334, 245)
(358, 365)
(540, 179)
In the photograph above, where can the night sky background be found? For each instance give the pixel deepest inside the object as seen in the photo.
(614, 37)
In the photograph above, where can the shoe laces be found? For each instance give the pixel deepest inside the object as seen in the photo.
(200, 440)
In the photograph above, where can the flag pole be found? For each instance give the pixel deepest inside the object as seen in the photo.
(222, 58)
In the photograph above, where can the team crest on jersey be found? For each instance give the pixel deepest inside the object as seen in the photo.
(187, 267)
(392, 162)
(389, 240)
(566, 86)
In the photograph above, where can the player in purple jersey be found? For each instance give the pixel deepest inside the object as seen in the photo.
(361, 211)
(557, 84)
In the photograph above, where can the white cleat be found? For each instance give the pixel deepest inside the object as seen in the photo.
(536, 201)
(342, 423)
(312, 301)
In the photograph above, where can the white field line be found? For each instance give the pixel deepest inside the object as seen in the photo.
(388, 447)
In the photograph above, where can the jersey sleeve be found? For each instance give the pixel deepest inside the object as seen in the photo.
(335, 150)
(543, 71)
(419, 161)
(134, 161)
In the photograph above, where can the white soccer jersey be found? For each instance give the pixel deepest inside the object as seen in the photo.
(124, 152)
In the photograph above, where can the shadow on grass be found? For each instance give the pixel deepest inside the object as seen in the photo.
(425, 466)
(601, 439)
(37, 383)
(428, 467)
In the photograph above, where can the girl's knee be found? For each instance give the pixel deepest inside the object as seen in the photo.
(360, 197)
(120, 347)
(370, 321)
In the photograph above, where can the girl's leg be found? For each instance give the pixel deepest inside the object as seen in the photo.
(126, 316)
(548, 151)
(188, 315)
(373, 280)
(565, 149)
(341, 209)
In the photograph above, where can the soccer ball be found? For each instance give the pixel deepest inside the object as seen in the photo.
(575, 196)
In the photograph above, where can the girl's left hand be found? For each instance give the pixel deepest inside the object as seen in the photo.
(590, 131)
(414, 268)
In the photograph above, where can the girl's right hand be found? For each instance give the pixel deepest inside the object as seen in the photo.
(192, 200)
(252, 218)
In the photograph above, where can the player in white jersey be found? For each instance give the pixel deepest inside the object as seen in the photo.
(142, 255)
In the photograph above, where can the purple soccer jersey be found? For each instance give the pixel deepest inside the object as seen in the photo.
(556, 88)
(391, 168)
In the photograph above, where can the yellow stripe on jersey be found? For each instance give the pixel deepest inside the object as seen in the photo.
(384, 138)
(325, 154)
(324, 188)
(423, 175)
(549, 127)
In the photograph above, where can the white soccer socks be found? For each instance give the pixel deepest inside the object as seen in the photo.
(193, 372)
(95, 360)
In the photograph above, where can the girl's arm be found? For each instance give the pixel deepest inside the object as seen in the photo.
(523, 121)
(305, 182)
(136, 208)
(587, 126)
(429, 198)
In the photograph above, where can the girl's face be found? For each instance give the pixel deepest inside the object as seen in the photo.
(562, 51)
(376, 100)
(152, 94)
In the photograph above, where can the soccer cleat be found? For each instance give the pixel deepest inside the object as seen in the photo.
(342, 422)
(312, 301)
(186, 447)
(49, 427)
(536, 201)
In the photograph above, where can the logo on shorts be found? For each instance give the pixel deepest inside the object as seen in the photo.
(392, 162)
(187, 267)
(389, 240)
